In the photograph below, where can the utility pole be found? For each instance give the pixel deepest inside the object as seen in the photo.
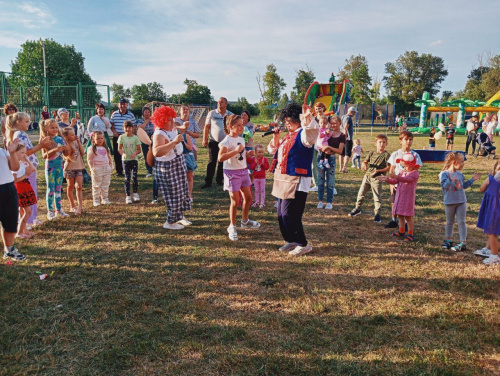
(44, 65)
(45, 83)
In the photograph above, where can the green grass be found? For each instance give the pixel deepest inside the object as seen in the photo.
(129, 298)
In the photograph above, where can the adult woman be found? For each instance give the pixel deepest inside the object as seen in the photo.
(335, 145)
(8, 109)
(170, 167)
(319, 110)
(64, 122)
(99, 122)
(491, 126)
(146, 124)
(249, 130)
(292, 174)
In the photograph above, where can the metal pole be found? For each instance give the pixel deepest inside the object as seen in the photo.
(44, 65)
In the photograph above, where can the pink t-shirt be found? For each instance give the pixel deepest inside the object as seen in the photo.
(100, 158)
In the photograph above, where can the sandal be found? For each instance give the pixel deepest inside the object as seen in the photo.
(398, 234)
(24, 236)
(409, 238)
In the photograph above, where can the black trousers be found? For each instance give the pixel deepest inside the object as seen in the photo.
(290, 218)
(117, 157)
(471, 137)
(213, 153)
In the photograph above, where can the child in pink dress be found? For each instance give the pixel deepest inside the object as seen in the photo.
(404, 202)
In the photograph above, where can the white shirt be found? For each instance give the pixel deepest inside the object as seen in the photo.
(490, 127)
(398, 154)
(5, 174)
(170, 136)
(238, 161)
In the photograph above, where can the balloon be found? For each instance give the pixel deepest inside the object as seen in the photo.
(143, 136)
(441, 127)
(438, 135)
(470, 127)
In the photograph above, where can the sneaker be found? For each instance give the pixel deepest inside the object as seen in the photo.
(447, 244)
(206, 185)
(314, 189)
(276, 204)
(392, 224)
(61, 213)
(233, 234)
(36, 222)
(354, 212)
(460, 247)
(334, 191)
(185, 222)
(106, 202)
(261, 206)
(483, 252)
(14, 255)
(73, 209)
(155, 201)
(250, 224)
(301, 250)
(492, 260)
(119, 175)
(320, 205)
(255, 204)
(377, 219)
(329, 206)
(148, 175)
(327, 165)
(173, 226)
(128, 200)
(136, 197)
(97, 204)
(51, 215)
(288, 247)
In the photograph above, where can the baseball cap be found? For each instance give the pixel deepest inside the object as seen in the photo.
(352, 109)
(123, 100)
(475, 114)
(61, 110)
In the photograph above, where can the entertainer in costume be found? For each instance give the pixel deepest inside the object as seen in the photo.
(170, 167)
(291, 165)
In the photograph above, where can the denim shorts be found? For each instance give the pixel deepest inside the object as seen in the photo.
(190, 162)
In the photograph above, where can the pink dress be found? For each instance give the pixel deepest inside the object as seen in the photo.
(404, 202)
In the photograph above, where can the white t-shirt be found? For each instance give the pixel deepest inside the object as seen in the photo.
(490, 128)
(398, 154)
(5, 174)
(170, 135)
(238, 161)
(22, 170)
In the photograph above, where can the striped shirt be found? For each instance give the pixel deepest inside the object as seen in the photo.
(117, 119)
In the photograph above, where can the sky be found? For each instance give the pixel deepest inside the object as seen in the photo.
(225, 44)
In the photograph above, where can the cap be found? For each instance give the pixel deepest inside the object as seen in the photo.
(123, 100)
(408, 159)
(61, 110)
(352, 109)
(475, 114)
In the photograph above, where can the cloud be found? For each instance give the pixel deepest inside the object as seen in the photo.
(436, 43)
(28, 14)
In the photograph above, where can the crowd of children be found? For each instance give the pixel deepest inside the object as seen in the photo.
(64, 159)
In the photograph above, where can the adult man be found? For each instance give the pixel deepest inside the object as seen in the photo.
(347, 129)
(148, 126)
(117, 119)
(214, 128)
(472, 134)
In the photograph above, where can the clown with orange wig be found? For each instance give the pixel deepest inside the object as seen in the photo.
(170, 167)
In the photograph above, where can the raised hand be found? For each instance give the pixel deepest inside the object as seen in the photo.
(11, 148)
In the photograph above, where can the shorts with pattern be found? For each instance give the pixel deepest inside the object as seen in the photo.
(71, 174)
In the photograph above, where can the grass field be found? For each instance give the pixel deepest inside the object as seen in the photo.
(130, 298)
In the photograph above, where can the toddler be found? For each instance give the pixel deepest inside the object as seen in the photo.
(450, 136)
(324, 134)
(73, 169)
(455, 203)
(259, 164)
(357, 150)
(101, 165)
(129, 147)
(432, 140)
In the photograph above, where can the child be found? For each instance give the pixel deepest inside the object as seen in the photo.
(187, 151)
(9, 205)
(25, 192)
(129, 147)
(54, 167)
(259, 164)
(404, 202)
(489, 213)
(432, 140)
(357, 150)
(232, 153)
(101, 165)
(375, 164)
(73, 169)
(450, 136)
(455, 203)
(324, 135)
(405, 140)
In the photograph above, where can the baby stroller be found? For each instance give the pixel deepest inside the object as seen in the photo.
(485, 148)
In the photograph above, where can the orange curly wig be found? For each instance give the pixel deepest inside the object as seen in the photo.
(162, 116)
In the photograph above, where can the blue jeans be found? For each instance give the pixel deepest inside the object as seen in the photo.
(145, 149)
(330, 179)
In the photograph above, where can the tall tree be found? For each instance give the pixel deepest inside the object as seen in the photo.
(305, 77)
(144, 93)
(195, 93)
(473, 88)
(270, 86)
(491, 80)
(119, 92)
(412, 74)
(356, 70)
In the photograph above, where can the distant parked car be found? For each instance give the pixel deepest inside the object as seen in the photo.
(412, 121)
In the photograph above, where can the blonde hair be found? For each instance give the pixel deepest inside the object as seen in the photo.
(65, 133)
(11, 124)
(324, 118)
(358, 141)
(336, 118)
(20, 146)
(93, 141)
(259, 146)
(229, 121)
(43, 131)
(452, 158)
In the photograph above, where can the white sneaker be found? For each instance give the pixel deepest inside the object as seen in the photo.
(51, 215)
(106, 202)
(250, 224)
(492, 260)
(136, 197)
(329, 206)
(276, 204)
(61, 213)
(185, 222)
(483, 252)
(334, 191)
(233, 234)
(314, 189)
(97, 204)
(320, 205)
(149, 175)
(173, 226)
(288, 247)
(128, 200)
(301, 250)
